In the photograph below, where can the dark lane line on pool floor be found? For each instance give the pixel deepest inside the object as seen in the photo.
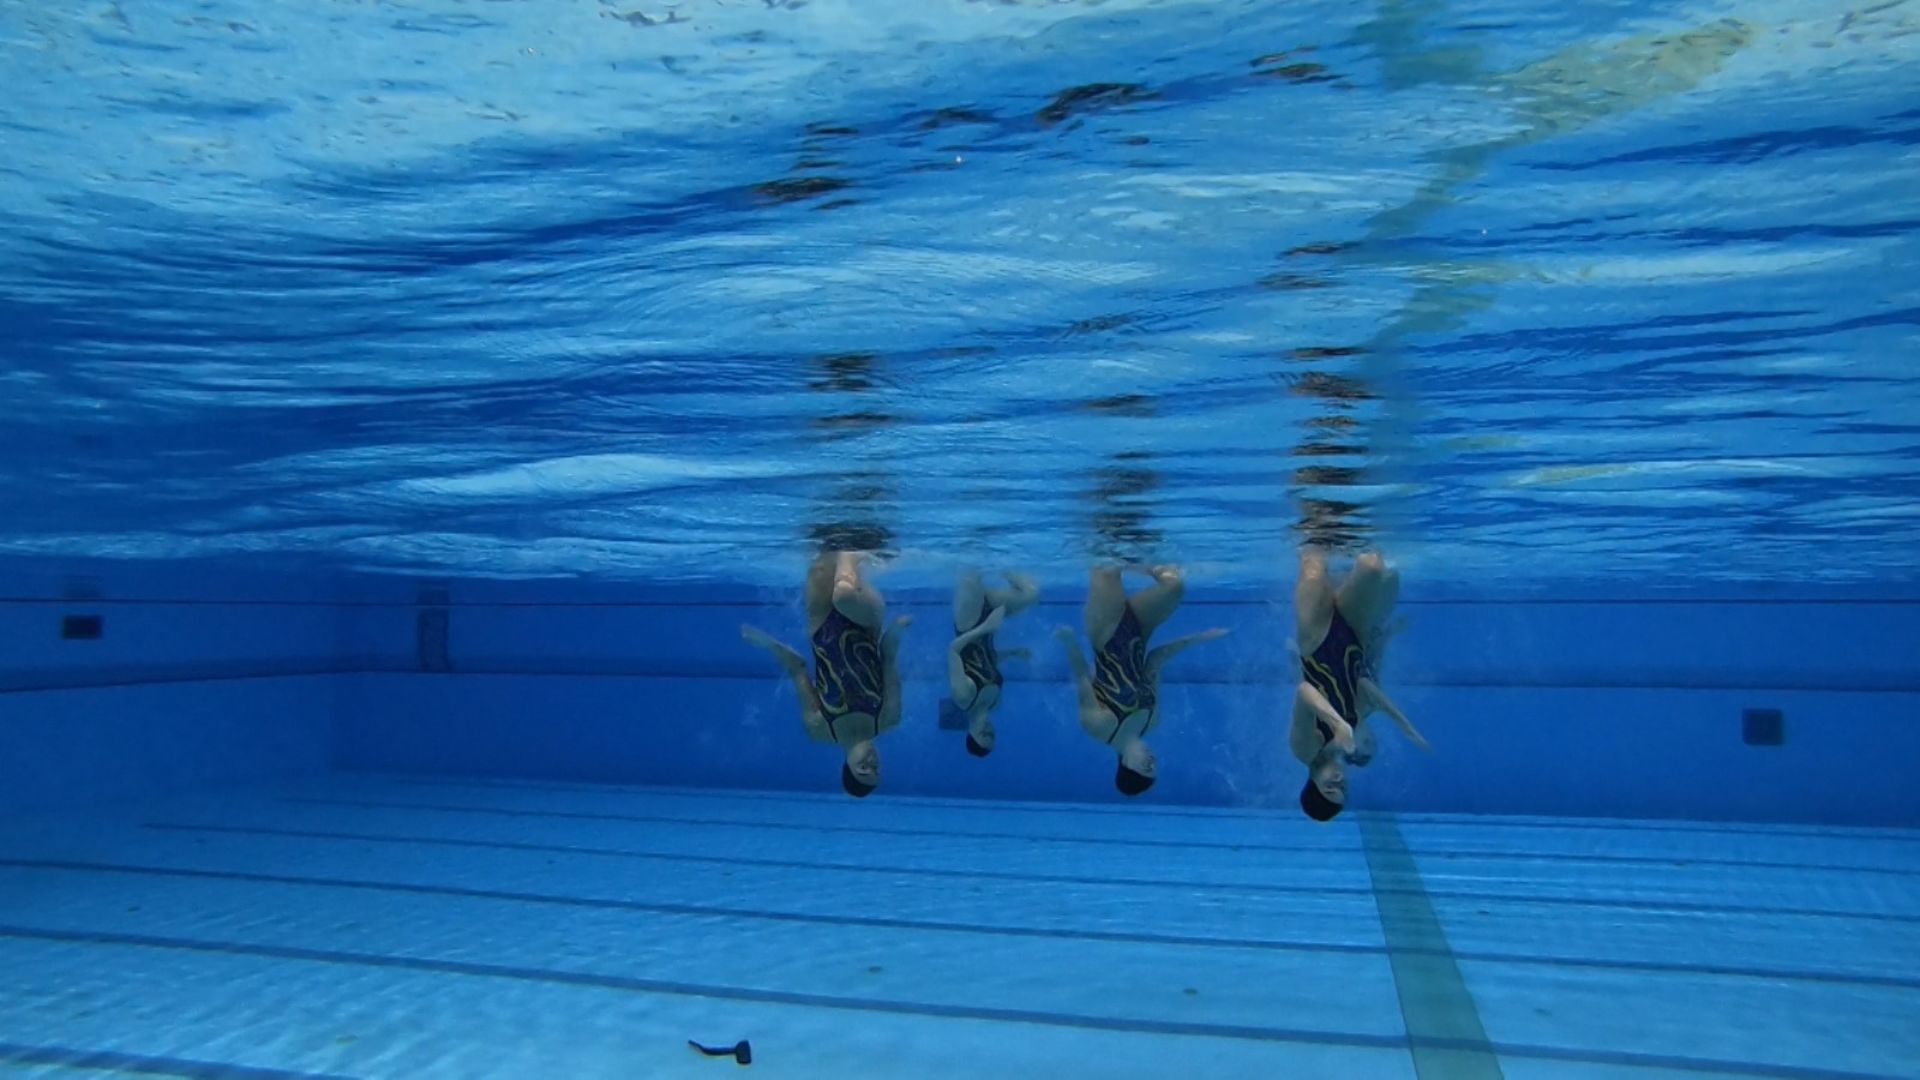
(587, 980)
(742, 860)
(961, 833)
(1406, 946)
(1515, 854)
(117, 1061)
(1184, 885)
(970, 834)
(1435, 1003)
(1485, 823)
(692, 910)
(832, 802)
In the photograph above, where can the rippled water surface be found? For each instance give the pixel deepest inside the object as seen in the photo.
(646, 289)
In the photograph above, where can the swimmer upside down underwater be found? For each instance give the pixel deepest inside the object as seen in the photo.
(853, 694)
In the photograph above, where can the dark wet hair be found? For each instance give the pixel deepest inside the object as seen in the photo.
(855, 786)
(1129, 782)
(1317, 805)
(974, 747)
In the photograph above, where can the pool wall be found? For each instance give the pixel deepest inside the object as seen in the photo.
(1583, 704)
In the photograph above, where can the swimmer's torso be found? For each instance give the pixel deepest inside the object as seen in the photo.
(981, 663)
(848, 678)
(1120, 680)
(1336, 667)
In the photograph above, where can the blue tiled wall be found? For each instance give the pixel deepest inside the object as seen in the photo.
(1603, 705)
(196, 679)
(1590, 708)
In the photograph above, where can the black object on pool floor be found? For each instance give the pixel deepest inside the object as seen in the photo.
(741, 1051)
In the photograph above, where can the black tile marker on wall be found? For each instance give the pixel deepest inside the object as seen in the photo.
(79, 588)
(1763, 727)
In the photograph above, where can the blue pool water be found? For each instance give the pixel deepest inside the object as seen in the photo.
(501, 288)
(408, 401)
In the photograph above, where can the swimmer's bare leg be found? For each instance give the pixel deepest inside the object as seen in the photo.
(853, 595)
(1021, 593)
(1106, 601)
(819, 589)
(1155, 604)
(969, 596)
(1312, 601)
(1367, 597)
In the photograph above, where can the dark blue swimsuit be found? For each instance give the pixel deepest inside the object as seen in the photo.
(1120, 672)
(1336, 667)
(847, 670)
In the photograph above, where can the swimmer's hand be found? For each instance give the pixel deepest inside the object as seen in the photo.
(1066, 636)
(1016, 654)
(1329, 716)
(1214, 634)
(756, 636)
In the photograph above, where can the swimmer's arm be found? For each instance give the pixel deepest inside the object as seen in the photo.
(1379, 697)
(1317, 706)
(1092, 713)
(1303, 738)
(1173, 648)
(889, 717)
(795, 666)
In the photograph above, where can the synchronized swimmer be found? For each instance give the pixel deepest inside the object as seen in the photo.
(852, 696)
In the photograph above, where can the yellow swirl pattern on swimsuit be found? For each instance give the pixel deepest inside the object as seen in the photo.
(848, 669)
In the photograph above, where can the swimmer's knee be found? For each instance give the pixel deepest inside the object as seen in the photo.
(1370, 563)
